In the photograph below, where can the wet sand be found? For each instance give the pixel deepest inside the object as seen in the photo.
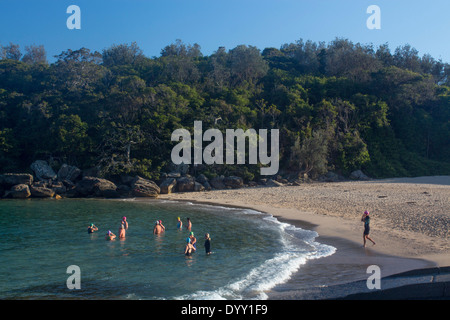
(410, 219)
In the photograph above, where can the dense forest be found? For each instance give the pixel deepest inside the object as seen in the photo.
(339, 107)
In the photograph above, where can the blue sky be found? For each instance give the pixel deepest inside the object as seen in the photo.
(154, 24)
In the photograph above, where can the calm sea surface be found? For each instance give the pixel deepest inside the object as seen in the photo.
(40, 239)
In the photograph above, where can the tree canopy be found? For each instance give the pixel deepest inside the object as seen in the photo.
(339, 106)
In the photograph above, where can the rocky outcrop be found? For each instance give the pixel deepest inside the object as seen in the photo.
(8, 180)
(67, 172)
(41, 192)
(43, 171)
(198, 186)
(217, 183)
(233, 182)
(185, 184)
(358, 175)
(144, 188)
(168, 185)
(20, 191)
(93, 186)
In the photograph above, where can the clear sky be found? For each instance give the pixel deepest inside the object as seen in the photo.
(153, 24)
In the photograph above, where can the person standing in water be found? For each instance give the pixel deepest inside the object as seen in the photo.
(179, 224)
(207, 244)
(193, 240)
(122, 229)
(110, 235)
(92, 228)
(366, 219)
(162, 226)
(157, 229)
(189, 249)
(189, 224)
(124, 219)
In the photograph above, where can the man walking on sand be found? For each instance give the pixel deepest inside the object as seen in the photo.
(366, 219)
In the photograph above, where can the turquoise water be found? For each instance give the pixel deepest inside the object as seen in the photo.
(252, 252)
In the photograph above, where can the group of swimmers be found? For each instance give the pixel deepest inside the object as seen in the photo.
(191, 241)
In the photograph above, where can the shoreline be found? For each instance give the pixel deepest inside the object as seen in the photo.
(395, 252)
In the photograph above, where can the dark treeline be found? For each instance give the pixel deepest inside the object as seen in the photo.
(339, 106)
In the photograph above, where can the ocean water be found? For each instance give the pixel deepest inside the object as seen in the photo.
(252, 251)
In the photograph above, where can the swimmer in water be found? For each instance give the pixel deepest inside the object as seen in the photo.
(110, 235)
(92, 228)
(162, 226)
(207, 244)
(179, 223)
(189, 224)
(193, 240)
(157, 229)
(189, 249)
(124, 219)
(122, 229)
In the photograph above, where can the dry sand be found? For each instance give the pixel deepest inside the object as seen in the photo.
(410, 220)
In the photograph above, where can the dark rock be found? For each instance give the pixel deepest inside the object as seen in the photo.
(185, 184)
(41, 192)
(58, 187)
(233, 182)
(202, 179)
(252, 183)
(20, 191)
(217, 183)
(198, 186)
(11, 179)
(174, 175)
(67, 172)
(126, 179)
(123, 190)
(358, 175)
(144, 188)
(68, 184)
(168, 185)
(93, 186)
(207, 186)
(43, 171)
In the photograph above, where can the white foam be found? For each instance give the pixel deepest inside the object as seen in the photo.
(274, 271)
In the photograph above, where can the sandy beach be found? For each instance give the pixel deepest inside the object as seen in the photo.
(410, 220)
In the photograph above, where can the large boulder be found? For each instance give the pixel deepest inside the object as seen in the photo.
(67, 172)
(41, 192)
(93, 186)
(168, 185)
(20, 191)
(201, 178)
(185, 184)
(358, 175)
(198, 186)
(207, 186)
(217, 182)
(43, 171)
(144, 188)
(233, 182)
(12, 179)
(59, 187)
